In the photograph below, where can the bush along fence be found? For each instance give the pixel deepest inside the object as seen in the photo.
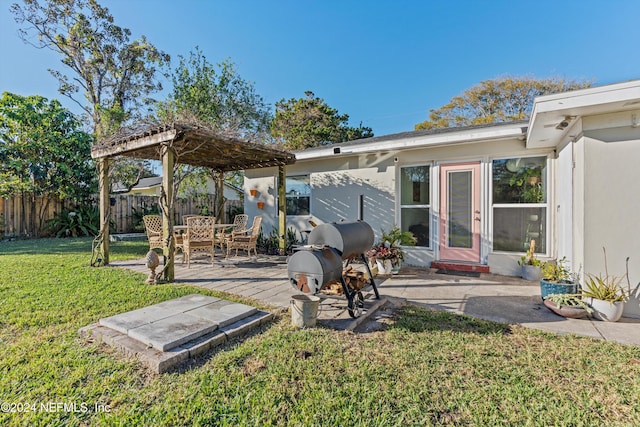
(45, 217)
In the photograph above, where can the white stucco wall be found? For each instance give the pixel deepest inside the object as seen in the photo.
(612, 202)
(563, 202)
(338, 181)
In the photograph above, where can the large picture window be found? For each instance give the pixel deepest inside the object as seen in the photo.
(298, 193)
(415, 203)
(519, 189)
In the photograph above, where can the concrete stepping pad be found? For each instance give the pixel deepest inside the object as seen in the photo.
(223, 312)
(173, 331)
(134, 319)
(166, 334)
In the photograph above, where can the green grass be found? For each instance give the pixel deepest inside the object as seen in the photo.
(428, 368)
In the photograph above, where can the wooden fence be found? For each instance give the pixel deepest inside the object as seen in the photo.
(24, 217)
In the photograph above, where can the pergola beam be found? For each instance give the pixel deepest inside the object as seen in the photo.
(133, 145)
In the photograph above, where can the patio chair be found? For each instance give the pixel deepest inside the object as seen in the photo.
(198, 237)
(239, 228)
(153, 226)
(247, 241)
(178, 235)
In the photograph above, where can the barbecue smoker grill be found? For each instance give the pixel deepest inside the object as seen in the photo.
(331, 248)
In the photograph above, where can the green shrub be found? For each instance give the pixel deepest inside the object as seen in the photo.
(83, 220)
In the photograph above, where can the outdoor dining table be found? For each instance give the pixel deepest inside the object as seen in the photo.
(179, 229)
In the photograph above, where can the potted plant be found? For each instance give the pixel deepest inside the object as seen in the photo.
(568, 305)
(605, 294)
(530, 264)
(556, 279)
(385, 256)
(388, 253)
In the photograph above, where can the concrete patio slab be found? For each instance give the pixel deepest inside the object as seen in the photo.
(504, 299)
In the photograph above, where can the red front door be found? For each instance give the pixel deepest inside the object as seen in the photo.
(460, 212)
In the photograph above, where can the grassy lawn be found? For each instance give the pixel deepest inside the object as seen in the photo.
(428, 368)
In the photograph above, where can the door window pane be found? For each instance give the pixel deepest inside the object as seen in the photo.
(459, 206)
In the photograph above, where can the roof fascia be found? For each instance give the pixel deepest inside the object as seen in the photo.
(449, 138)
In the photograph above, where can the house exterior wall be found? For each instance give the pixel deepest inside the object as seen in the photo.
(563, 202)
(612, 200)
(338, 182)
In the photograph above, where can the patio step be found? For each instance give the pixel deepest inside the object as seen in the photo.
(460, 266)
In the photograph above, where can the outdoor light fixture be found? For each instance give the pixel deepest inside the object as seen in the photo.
(563, 124)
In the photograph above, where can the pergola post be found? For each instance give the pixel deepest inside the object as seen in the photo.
(169, 246)
(219, 201)
(282, 208)
(105, 208)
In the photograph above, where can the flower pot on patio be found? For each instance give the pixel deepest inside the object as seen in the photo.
(606, 310)
(395, 266)
(562, 287)
(566, 311)
(530, 272)
(384, 266)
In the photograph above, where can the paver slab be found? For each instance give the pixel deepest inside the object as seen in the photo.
(223, 312)
(172, 331)
(134, 319)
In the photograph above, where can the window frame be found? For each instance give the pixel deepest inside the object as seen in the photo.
(428, 206)
(546, 204)
(286, 196)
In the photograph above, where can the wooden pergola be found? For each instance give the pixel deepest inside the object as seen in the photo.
(182, 143)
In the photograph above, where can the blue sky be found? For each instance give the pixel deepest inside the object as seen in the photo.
(385, 63)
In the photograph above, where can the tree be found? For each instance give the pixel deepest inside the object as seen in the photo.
(216, 97)
(115, 75)
(310, 122)
(43, 152)
(498, 100)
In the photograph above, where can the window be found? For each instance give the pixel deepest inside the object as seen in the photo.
(519, 188)
(298, 195)
(415, 203)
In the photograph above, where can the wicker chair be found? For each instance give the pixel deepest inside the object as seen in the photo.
(239, 229)
(245, 242)
(178, 236)
(153, 226)
(198, 237)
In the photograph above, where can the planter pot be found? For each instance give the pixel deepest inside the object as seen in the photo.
(395, 267)
(384, 266)
(531, 272)
(566, 311)
(605, 310)
(548, 288)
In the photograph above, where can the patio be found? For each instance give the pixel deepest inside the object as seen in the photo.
(491, 297)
